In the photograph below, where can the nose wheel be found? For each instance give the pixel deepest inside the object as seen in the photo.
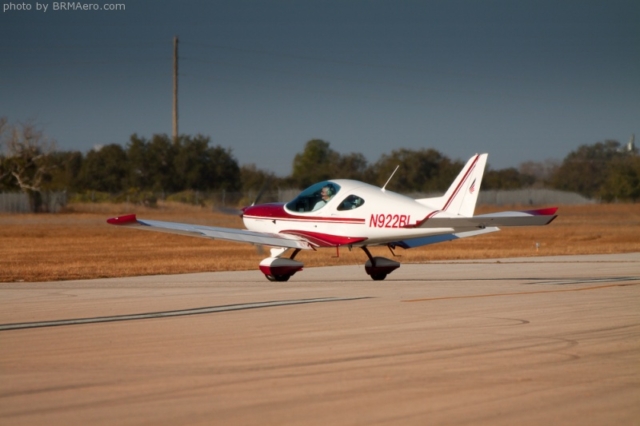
(278, 278)
(280, 269)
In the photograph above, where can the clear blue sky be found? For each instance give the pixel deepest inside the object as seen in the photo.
(522, 80)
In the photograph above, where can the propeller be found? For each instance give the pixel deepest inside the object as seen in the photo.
(264, 187)
(240, 212)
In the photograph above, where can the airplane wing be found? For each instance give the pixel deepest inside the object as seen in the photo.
(509, 218)
(228, 234)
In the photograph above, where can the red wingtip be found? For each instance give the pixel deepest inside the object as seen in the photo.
(543, 212)
(123, 220)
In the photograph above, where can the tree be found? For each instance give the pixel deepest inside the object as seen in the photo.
(225, 172)
(191, 162)
(353, 166)
(105, 169)
(623, 180)
(585, 169)
(28, 159)
(509, 178)
(138, 174)
(5, 174)
(424, 170)
(66, 171)
(161, 154)
(151, 163)
(254, 179)
(316, 163)
(200, 167)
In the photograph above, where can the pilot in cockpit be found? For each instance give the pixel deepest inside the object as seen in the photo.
(325, 195)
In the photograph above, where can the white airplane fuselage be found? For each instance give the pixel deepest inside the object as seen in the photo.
(382, 216)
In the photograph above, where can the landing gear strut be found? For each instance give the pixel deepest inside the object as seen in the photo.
(379, 267)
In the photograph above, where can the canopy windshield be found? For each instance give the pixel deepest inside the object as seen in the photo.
(314, 197)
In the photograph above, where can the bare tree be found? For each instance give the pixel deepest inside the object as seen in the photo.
(4, 170)
(27, 158)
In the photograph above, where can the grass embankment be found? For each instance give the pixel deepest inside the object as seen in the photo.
(79, 244)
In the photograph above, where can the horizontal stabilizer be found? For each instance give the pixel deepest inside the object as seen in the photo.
(514, 218)
(433, 239)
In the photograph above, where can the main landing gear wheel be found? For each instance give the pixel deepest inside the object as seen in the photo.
(378, 277)
(278, 278)
(378, 267)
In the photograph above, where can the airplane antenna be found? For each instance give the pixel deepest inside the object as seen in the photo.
(394, 172)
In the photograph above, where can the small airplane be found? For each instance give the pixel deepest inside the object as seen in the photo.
(343, 212)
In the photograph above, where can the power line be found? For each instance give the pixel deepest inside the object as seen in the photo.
(66, 63)
(435, 88)
(421, 70)
(290, 56)
(78, 46)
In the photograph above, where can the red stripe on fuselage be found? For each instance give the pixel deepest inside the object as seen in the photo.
(276, 211)
(325, 240)
(429, 216)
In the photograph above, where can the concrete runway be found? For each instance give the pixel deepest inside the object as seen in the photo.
(532, 341)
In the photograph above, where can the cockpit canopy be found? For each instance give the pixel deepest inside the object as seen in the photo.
(314, 197)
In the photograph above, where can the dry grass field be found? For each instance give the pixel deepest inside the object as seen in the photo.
(79, 244)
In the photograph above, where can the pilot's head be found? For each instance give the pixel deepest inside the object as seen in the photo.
(327, 192)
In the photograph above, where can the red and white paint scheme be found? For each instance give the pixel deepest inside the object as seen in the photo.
(342, 212)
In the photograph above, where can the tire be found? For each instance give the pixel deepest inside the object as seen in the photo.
(278, 278)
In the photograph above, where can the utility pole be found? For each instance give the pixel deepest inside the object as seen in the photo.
(175, 90)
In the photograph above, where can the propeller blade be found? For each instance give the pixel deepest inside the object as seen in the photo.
(265, 185)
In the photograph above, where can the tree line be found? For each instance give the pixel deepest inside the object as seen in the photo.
(605, 171)
(143, 167)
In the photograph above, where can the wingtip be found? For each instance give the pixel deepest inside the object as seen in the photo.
(549, 211)
(123, 220)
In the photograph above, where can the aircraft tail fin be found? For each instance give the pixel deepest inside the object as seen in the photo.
(461, 197)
